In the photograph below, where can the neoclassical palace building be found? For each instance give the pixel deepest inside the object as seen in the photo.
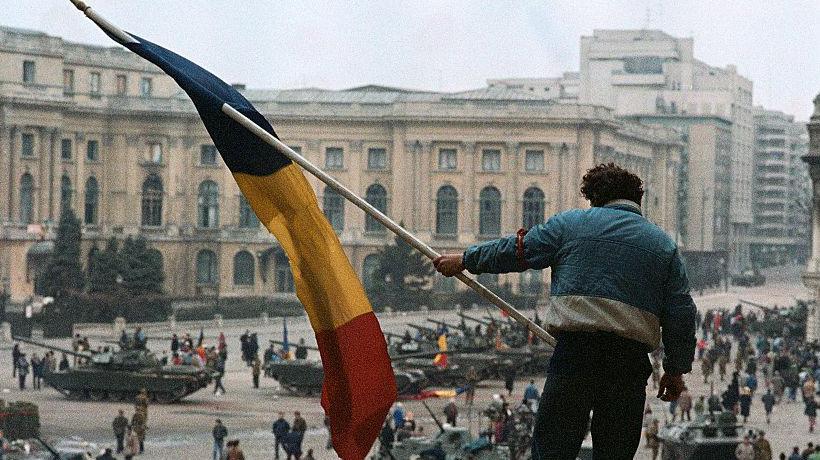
(100, 130)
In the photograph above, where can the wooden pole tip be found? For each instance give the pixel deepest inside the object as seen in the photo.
(80, 5)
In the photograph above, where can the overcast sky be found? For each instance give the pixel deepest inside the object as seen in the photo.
(447, 45)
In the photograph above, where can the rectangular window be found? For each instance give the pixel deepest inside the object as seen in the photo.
(534, 160)
(92, 151)
(491, 160)
(94, 84)
(376, 159)
(334, 158)
(207, 155)
(122, 85)
(447, 159)
(27, 147)
(145, 87)
(28, 72)
(296, 149)
(155, 153)
(65, 149)
(68, 81)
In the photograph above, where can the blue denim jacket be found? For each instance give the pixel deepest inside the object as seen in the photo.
(612, 271)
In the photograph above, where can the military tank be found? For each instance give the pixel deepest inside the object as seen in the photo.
(120, 375)
(709, 437)
(304, 377)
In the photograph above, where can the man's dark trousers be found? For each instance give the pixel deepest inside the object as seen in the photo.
(120, 446)
(601, 374)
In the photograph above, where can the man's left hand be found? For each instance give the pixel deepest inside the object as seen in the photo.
(449, 264)
(670, 387)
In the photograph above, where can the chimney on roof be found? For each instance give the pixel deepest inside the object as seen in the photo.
(238, 86)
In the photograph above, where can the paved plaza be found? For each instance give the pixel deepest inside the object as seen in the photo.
(183, 430)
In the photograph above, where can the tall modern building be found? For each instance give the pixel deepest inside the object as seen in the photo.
(107, 134)
(640, 73)
(782, 189)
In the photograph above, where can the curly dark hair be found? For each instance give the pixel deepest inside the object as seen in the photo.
(607, 182)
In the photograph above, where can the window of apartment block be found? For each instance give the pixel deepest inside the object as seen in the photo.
(122, 85)
(27, 145)
(296, 149)
(534, 160)
(334, 158)
(145, 87)
(447, 159)
(155, 152)
(65, 149)
(28, 72)
(92, 151)
(207, 155)
(491, 160)
(376, 159)
(94, 84)
(68, 81)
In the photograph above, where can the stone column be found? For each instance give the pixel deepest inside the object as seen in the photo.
(811, 277)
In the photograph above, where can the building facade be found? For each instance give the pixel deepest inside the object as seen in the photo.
(648, 72)
(103, 132)
(782, 189)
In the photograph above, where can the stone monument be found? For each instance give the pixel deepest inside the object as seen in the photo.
(811, 277)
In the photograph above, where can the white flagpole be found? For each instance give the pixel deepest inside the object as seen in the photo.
(411, 239)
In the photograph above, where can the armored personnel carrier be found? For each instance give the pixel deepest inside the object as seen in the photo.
(120, 375)
(709, 437)
(304, 377)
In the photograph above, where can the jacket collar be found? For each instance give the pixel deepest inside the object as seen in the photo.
(624, 205)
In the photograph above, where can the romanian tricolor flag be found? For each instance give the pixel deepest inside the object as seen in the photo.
(359, 386)
(440, 360)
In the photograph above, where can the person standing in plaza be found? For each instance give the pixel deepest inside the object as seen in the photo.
(763, 450)
(219, 433)
(531, 395)
(298, 429)
(685, 404)
(280, 429)
(132, 444)
(451, 412)
(472, 381)
(745, 450)
(256, 369)
(138, 426)
(120, 426)
(619, 289)
(652, 441)
(219, 370)
(15, 355)
(36, 371)
(768, 404)
(22, 370)
(811, 412)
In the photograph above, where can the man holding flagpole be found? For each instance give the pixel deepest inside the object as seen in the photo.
(619, 289)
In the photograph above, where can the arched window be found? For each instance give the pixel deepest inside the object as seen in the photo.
(65, 193)
(208, 204)
(92, 199)
(206, 267)
(369, 267)
(533, 210)
(284, 277)
(243, 269)
(26, 199)
(447, 211)
(152, 201)
(377, 196)
(489, 212)
(334, 208)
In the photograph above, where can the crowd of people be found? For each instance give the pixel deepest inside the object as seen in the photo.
(755, 365)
